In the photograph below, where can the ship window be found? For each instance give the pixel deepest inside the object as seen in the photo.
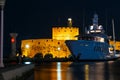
(86, 44)
(83, 44)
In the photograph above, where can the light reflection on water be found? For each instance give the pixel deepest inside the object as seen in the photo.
(59, 71)
(78, 71)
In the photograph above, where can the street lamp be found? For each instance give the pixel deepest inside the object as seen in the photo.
(2, 3)
(70, 22)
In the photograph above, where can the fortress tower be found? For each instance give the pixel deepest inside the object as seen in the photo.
(65, 33)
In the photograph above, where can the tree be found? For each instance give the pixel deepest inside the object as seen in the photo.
(48, 56)
(38, 57)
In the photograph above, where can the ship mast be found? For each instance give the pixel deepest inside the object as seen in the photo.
(113, 36)
(95, 21)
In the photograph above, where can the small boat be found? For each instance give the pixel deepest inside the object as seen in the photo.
(93, 45)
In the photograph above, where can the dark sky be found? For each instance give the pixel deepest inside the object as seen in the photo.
(35, 18)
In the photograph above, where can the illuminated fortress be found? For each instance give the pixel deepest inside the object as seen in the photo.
(55, 46)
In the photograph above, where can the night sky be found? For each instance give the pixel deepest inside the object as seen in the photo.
(35, 18)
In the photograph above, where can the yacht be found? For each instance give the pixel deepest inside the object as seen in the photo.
(93, 45)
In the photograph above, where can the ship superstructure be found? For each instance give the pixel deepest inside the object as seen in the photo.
(93, 45)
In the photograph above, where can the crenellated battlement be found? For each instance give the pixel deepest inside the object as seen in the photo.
(65, 33)
(66, 27)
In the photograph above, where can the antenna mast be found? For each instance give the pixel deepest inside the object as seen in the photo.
(113, 35)
(106, 21)
(84, 29)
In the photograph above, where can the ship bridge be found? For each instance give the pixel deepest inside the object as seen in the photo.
(95, 28)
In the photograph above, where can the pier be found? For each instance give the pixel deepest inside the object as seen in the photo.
(16, 72)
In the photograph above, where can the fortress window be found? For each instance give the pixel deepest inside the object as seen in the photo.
(38, 42)
(58, 42)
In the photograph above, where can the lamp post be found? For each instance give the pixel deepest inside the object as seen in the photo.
(70, 22)
(2, 3)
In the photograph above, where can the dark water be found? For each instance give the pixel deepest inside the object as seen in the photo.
(109, 70)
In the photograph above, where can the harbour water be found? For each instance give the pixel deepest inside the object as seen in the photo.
(108, 70)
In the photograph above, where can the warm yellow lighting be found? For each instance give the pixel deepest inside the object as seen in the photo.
(17, 54)
(111, 50)
(27, 46)
(98, 30)
(95, 31)
(69, 19)
(92, 31)
(86, 72)
(68, 38)
(102, 40)
(58, 48)
(69, 22)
